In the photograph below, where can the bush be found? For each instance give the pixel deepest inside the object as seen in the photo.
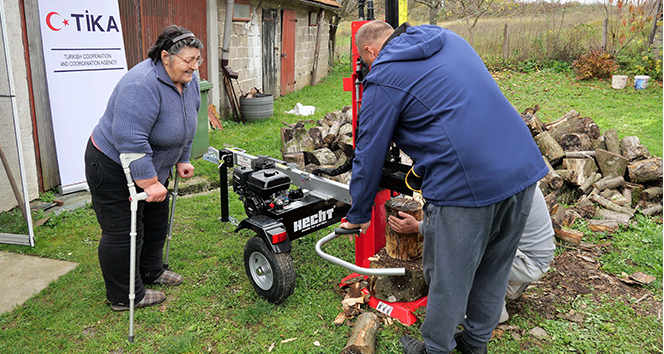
(594, 64)
(645, 63)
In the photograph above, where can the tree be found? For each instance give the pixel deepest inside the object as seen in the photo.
(434, 8)
(348, 11)
(470, 11)
(627, 20)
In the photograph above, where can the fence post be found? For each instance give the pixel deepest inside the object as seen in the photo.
(506, 44)
(605, 30)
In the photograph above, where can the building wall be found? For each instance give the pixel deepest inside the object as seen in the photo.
(245, 52)
(7, 138)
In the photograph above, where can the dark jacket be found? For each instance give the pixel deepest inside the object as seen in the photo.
(431, 94)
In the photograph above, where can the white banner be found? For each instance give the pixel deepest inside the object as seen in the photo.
(84, 57)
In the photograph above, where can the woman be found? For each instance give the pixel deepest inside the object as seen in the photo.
(152, 110)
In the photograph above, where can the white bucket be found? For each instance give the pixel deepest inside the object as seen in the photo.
(641, 81)
(619, 81)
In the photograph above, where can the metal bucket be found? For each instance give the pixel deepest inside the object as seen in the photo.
(256, 108)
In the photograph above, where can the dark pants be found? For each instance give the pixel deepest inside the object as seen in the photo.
(110, 200)
(468, 253)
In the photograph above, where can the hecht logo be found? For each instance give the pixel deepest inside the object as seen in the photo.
(84, 22)
(307, 223)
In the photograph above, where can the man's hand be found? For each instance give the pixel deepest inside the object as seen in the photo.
(348, 225)
(185, 169)
(406, 225)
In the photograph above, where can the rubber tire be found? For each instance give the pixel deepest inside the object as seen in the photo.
(281, 265)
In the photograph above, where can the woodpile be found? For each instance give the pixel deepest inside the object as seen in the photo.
(326, 144)
(596, 175)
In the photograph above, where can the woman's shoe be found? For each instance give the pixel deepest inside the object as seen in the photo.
(169, 278)
(152, 297)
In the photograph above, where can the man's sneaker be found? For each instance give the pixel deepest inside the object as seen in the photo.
(169, 278)
(464, 348)
(514, 290)
(412, 345)
(504, 316)
(151, 297)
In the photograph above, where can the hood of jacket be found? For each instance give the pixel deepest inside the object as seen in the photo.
(420, 43)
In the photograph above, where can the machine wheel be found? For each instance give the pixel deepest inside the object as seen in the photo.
(272, 275)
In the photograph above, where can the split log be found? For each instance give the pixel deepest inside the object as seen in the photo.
(363, 339)
(587, 185)
(345, 143)
(534, 124)
(598, 143)
(651, 193)
(551, 201)
(585, 207)
(405, 247)
(609, 183)
(346, 129)
(612, 142)
(619, 199)
(610, 205)
(591, 128)
(316, 137)
(631, 148)
(286, 134)
(301, 142)
(552, 179)
(583, 167)
(611, 164)
(627, 193)
(609, 226)
(605, 214)
(567, 116)
(549, 147)
(332, 132)
(570, 217)
(607, 193)
(580, 154)
(322, 156)
(557, 215)
(652, 210)
(571, 236)
(573, 123)
(296, 158)
(575, 142)
(402, 288)
(567, 175)
(645, 170)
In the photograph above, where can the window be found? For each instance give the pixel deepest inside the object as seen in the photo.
(313, 18)
(242, 10)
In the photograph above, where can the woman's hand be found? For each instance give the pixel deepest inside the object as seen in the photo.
(153, 188)
(185, 169)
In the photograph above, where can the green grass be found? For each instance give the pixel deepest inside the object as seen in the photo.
(216, 310)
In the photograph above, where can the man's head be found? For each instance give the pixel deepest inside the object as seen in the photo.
(370, 37)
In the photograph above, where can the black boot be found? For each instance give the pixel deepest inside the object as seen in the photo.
(464, 348)
(412, 345)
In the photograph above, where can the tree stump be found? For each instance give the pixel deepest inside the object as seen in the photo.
(404, 247)
(363, 339)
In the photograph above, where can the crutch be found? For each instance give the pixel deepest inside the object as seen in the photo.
(174, 194)
(127, 159)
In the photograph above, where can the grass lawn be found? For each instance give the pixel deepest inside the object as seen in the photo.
(216, 310)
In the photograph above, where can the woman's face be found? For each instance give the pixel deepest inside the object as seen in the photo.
(181, 66)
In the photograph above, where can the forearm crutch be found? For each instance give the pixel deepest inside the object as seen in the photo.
(170, 220)
(134, 198)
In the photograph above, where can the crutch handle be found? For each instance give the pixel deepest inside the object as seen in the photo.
(141, 196)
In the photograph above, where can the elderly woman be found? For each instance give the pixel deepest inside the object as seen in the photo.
(152, 110)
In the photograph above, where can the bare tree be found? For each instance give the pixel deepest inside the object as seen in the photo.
(470, 11)
(348, 11)
(434, 8)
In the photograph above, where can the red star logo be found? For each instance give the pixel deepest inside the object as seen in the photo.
(65, 22)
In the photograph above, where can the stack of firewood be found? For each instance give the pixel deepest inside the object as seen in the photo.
(327, 144)
(601, 178)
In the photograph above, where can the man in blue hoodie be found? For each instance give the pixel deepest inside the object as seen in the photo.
(430, 93)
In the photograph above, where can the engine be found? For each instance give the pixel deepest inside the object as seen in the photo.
(263, 187)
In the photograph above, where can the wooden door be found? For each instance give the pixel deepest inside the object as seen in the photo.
(288, 51)
(269, 50)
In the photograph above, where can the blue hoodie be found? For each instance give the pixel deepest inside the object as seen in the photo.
(430, 93)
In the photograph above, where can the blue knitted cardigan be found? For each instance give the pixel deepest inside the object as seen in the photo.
(146, 113)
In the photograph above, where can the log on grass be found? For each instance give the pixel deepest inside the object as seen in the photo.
(583, 167)
(549, 147)
(571, 236)
(645, 170)
(610, 164)
(631, 148)
(363, 339)
(609, 226)
(651, 193)
(610, 205)
(405, 247)
(575, 142)
(606, 214)
(612, 142)
(652, 210)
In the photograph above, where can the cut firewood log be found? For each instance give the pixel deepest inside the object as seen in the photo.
(645, 170)
(551, 200)
(316, 137)
(568, 175)
(609, 183)
(654, 209)
(651, 193)
(585, 207)
(322, 156)
(567, 116)
(363, 339)
(552, 179)
(587, 185)
(346, 129)
(606, 214)
(301, 142)
(549, 147)
(575, 142)
(557, 214)
(580, 154)
(609, 226)
(619, 199)
(571, 236)
(405, 247)
(296, 158)
(627, 193)
(332, 132)
(612, 142)
(345, 143)
(534, 124)
(398, 288)
(598, 143)
(286, 134)
(573, 123)
(631, 148)
(583, 167)
(607, 193)
(610, 205)
(569, 218)
(611, 164)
